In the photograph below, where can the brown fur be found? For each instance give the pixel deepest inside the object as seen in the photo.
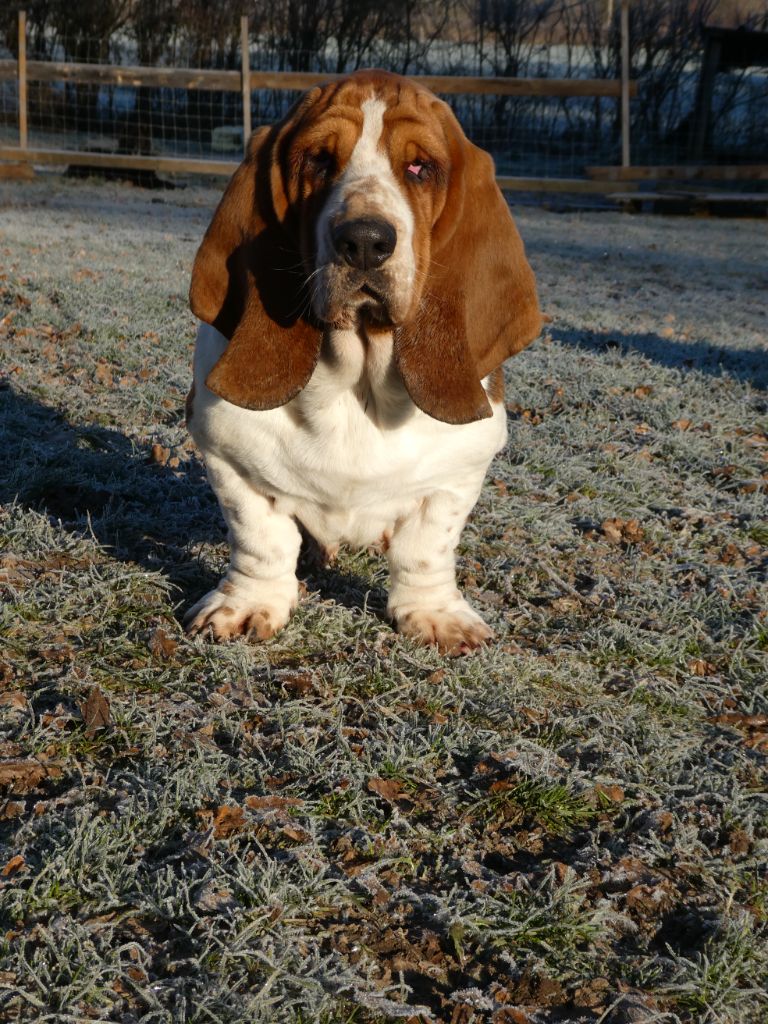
(477, 304)
(496, 385)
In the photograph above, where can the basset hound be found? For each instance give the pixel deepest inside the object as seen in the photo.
(359, 287)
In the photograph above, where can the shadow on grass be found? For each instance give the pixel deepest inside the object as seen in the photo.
(748, 365)
(94, 480)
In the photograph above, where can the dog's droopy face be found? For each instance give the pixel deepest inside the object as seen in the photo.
(366, 207)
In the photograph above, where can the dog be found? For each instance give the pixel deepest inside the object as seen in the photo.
(359, 287)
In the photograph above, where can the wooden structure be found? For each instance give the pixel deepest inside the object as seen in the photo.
(246, 80)
(681, 172)
(680, 188)
(694, 201)
(724, 49)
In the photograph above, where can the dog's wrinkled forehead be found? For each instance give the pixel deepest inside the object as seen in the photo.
(386, 123)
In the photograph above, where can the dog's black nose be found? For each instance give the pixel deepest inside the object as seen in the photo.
(364, 244)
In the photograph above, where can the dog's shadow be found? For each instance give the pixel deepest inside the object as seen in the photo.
(96, 481)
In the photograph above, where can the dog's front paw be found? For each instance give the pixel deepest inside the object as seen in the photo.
(455, 629)
(229, 611)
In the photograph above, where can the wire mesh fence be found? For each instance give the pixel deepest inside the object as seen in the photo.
(528, 135)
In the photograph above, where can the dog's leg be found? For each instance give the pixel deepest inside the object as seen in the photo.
(260, 589)
(424, 600)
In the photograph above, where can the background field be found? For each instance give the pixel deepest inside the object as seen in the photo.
(337, 825)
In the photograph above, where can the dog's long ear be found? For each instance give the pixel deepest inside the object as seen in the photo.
(479, 302)
(247, 282)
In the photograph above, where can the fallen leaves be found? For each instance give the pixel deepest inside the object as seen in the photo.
(95, 712)
(224, 821)
(390, 790)
(14, 864)
(701, 667)
(20, 775)
(159, 455)
(754, 727)
(162, 645)
(622, 531)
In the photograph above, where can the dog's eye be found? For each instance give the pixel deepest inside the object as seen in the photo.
(322, 163)
(418, 170)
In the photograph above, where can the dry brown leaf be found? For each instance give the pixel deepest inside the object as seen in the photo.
(700, 667)
(95, 712)
(14, 864)
(13, 699)
(615, 794)
(620, 531)
(739, 842)
(161, 644)
(298, 683)
(611, 529)
(103, 374)
(12, 809)
(511, 1015)
(159, 455)
(19, 776)
(388, 789)
(298, 835)
(228, 818)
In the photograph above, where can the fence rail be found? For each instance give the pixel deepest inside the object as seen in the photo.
(247, 80)
(232, 81)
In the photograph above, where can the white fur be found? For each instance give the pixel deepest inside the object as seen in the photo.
(369, 177)
(353, 460)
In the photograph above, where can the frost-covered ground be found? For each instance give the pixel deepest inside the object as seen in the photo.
(337, 825)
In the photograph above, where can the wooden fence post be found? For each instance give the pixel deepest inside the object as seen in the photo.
(22, 72)
(625, 161)
(245, 71)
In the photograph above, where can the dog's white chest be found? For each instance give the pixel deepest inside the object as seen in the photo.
(351, 454)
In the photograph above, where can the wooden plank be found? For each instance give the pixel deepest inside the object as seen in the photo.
(245, 78)
(114, 74)
(231, 81)
(730, 197)
(22, 73)
(179, 165)
(625, 122)
(681, 172)
(695, 197)
(16, 172)
(515, 184)
(458, 84)
(184, 165)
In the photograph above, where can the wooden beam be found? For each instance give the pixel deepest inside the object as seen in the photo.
(245, 77)
(179, 165)
(625, 71)
(22, 73)
(681, 172)
(460, 84)
(679, 195)
(515, 184)
(16, 172)
(184, 165)
(231, 81)
(116, 74)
